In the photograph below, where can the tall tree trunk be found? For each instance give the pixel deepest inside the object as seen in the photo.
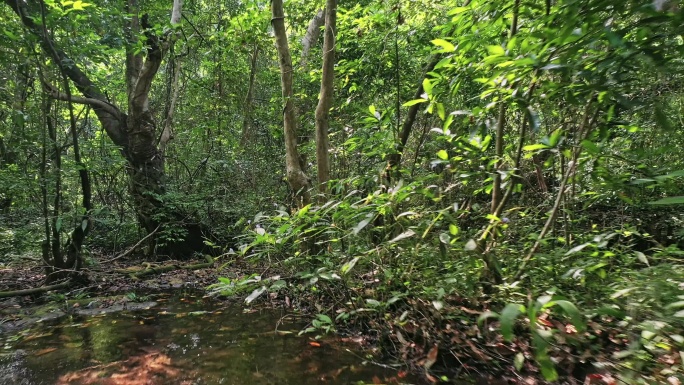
(296, 178)
(326, 98)
(247, 133)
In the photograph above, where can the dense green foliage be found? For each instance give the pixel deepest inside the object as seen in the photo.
(544, 162)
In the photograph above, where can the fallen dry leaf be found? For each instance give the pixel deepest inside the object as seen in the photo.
(431, 357)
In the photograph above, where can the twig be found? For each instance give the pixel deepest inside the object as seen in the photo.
(130, 250)
(583, 131)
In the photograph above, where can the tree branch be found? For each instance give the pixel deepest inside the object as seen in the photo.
(111, 117)
(138, 102)
(55, 94)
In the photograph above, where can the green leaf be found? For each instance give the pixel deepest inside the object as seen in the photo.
(554, 138)
(496, 50)
(507, 319)
(255, 294)
(575, 316)
(453, 229)
(442, 154)
(457, 10)
(346, 268)
(362, 224)
(406, 234)
(444, 238)
(440, 111)
(519, 361)
(486, 315)
(470, 245)
(642, 258)
(591, 147)
(445, 45)
(79, 5)
(535, 147)
(427, 86)
(414, 102)
(303, 211)
(669, 201)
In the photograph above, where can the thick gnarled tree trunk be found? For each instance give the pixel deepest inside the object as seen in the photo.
(134, 132)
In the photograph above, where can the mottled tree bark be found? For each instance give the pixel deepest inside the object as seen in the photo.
(311, 36)
(134, 132)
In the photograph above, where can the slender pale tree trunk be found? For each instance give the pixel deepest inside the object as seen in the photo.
(326, 98)
(296, 178)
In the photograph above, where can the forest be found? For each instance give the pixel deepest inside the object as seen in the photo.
(489, 189)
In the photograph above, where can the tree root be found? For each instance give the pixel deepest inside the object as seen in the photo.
(35, 290)
(152, 270)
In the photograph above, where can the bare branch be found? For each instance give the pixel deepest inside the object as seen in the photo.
(55, 94)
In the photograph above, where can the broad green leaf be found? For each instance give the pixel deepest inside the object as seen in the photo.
(442, 154)
(496, 50)
(679, 200)
(577, 248)
(440, 111)
(675, 304)
(427, 86)
(346, 268)
(535, 147)
(406, 234)
(486, 315)
(507, 319)
(554, 138)
(457, 10)
(642, 258)
(255, 294)
(413, 102)
(575, 316)
(453, 229)
(444, 238)
(590, 146)
(79, 5)
(445, 45)
(362, 224)
(373, 302)
(470, 245)
(519, 361)
(303, 211)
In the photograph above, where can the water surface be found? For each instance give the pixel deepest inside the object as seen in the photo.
(181, 341)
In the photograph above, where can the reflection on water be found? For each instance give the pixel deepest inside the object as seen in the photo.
(180, 342)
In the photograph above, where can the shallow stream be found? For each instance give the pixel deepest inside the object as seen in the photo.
(181, 341)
